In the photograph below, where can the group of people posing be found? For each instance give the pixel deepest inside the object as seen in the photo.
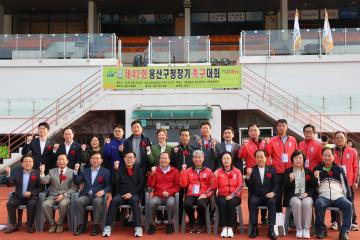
(204, 174)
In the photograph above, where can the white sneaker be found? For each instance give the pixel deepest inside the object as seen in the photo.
(299, 233)
(306, 233)
(230, 232)
(107, 231)
(334, 226)
(224, 232)
(138, 232)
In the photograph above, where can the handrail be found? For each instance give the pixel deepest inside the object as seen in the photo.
(290, 104)
(60, 108)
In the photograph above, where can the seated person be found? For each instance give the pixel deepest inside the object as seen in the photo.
(97, 183)
(197, 181)
(61, 187)
(164, 182)
(27, 189)
(129, 183)
(229, 185)
(333, 191)
(262, 182)
(299, 188)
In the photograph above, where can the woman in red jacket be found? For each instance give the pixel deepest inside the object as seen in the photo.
(228, 183)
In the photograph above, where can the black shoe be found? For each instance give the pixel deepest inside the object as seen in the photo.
(264, 220)
(272, 234)
(200, 229)
(152, 229)
(95, 230)
(193, 228)
(170, 229)
(343, 236)
(320, 234)
(30, 229)
(254, 232)
(11, 229)
(79, 230)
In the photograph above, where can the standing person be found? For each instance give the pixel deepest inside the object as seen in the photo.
(247, 152)
(129, 181)
(207, 144)
(263, 184)
(197, 181)
(155, 150)
(299, 190)
(347, 158)
(164, 182)
(113, 148)
(61, 187)
(227, 182)
(310, 147)
(333, 191)
(280, 149)
(69, 147)
(138, 143)
(97, 183)
(41, 148)
(86, 152)
(27, 189)
(228, 145)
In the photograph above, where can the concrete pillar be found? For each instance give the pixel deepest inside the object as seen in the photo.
(2, 13)
(92, 17)
(187, 9)
(284, 14)
(7, 26)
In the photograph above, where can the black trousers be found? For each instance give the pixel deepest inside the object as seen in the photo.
(227, 210)
(116, 201)
(14, 202)
(279, 194)
(255, 201)
(201, 204)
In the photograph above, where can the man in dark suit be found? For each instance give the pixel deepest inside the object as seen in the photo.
(228, 145)
(97, 183)
(262, 183)
(27, 189)
(41, 148)
(70, 148)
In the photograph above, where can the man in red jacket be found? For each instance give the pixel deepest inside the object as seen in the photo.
(310, 147)
(197, 181)
(164, 182)
(347, 158)
(280, 149)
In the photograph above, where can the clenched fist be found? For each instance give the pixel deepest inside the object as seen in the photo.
(56, 146)
(116, 165)
(83, 147)
(28, 139)
(8, 171)
(183, 167)
(249, 171)
(42, 169)
(77, 167)
(121, 148)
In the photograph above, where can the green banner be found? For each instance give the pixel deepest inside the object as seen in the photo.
(132, 78)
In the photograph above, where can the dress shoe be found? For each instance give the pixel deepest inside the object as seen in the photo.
(79, 230)
(321, 234)
(343, 236)
(254, 232)
(52, 228)
(11, 229)
(30, 229)
(152, 229)
(95, 230)
(272, 234)
(170, 229)
(59, 228)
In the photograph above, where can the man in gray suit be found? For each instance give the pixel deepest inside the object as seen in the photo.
(61, 188)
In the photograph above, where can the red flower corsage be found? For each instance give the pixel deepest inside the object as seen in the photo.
(72, 152)
(330, 173)
(231, 175)
(62, 177)
(268, 175)
(33, 178)
(307, 177)
(206, 145)
(143, 144)
(49, 148)
(100, 179)
(186, 152)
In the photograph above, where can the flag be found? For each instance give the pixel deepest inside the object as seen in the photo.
(327, 40)
(296, 34)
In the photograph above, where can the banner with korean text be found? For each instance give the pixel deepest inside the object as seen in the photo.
(135, 78)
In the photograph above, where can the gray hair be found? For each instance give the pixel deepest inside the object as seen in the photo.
(198, 152)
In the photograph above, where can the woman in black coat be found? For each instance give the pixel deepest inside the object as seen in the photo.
(299, 189)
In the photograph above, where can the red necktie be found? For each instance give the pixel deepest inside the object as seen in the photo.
(61, 175)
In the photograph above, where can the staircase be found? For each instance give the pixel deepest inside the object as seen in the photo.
(62, 112)
(277, 103)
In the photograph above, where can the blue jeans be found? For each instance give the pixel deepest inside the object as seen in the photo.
(342, 203)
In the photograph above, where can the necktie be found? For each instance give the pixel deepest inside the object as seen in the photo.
(61, 175)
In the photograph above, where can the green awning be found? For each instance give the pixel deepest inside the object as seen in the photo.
(172, 114)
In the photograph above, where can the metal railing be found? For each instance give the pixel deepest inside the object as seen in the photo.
(58, 110)
(58, 46)
(280, 42)
(295, 110)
